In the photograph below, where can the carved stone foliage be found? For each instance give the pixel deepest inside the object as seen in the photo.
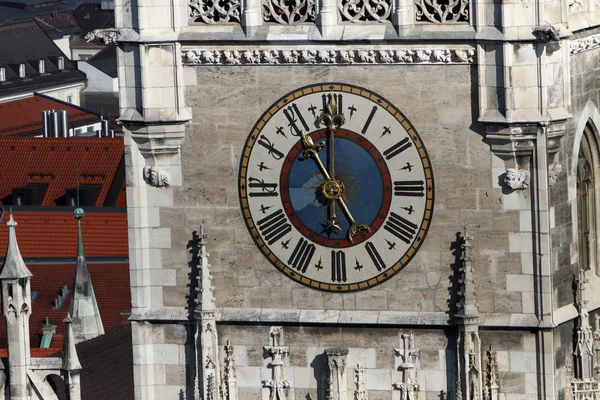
(442, 11)
(360, 389)
(322, 56)
(214, 11)
(289, 12)
(584, 44)
(365, 10)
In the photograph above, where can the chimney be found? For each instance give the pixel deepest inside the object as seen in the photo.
(45, 122)
(55, 124)
(104, 129)
(63, 118)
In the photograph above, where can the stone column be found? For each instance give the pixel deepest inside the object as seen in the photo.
(327, 19)
(337, 380)
(403, 14)
(251, 16)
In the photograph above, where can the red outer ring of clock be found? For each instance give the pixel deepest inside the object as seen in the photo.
(386, 198)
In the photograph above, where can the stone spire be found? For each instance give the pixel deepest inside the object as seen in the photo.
(71, 364)
(14, 266)
(468, 372)
(208, 375)
(16, 306)
(87, 323)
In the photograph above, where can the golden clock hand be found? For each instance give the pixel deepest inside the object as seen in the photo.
(311, 151)
(355, 227)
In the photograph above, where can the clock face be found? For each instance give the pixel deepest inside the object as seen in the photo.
(336, 187)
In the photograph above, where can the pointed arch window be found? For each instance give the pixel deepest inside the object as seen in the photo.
(588, 183)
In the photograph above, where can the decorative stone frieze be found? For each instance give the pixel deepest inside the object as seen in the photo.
(277, 384)
(365, 10)
(584, 43)
(360, 390)
(214, 11)
(408, 359)
(108, 35)
(155, 177)
(442, 11)
(289, 12)
(328, 56)
(337, 383)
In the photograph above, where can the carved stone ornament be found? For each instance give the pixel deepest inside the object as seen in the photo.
(289, 12)
(575, 5)
(517, 179)
(327, 56)
(337, 383)
(584, 44)
(442, 11)
(555, 171)
(277, 384)
(155, 177)
(214, 11)
(360, 389)
(409, 357)
(365, 10)
(108, 36)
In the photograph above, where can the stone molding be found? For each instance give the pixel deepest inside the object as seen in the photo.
(584, 44)
(327, 56)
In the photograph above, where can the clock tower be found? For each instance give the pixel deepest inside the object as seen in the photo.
(325, 157)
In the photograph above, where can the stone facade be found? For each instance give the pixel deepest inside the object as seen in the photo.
(502, 103)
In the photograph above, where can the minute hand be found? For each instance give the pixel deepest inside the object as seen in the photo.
(311, 151)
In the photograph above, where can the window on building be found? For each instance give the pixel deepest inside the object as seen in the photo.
(70, 98)
(2, 74)
(587, 184)
(41, 67)
(61, 63)
(21, 70)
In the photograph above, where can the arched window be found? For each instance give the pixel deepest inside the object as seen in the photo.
(588, 184)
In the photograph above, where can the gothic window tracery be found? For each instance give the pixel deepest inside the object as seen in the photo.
(587, 186)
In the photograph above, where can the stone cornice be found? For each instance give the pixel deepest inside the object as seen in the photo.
(325, 55)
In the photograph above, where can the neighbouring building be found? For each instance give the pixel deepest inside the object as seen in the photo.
(101, 94)
(43, 68)
(329, 155)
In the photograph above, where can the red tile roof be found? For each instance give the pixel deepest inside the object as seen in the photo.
(111, 287)
(53, 234)
(57, 162)
(22, 116)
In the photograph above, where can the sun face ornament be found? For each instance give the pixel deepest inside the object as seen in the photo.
(336, 187)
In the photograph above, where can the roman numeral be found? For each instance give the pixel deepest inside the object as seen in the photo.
(266, 143)
(293, 115)
(402, 228)
(338, 266)
(267, 189)
(274, 226)
(397, 148)
(409, 188)
(374, 254)
(302, 255)
(369, 120)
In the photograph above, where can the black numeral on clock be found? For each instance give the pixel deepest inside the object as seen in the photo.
(266, 189)
(400, 227)
(369, 120)
(302, 254)
(375, 257)
(293, 115)
(274, 226)
(266, 143)
(338, 266)
(409, 188)
(397, 148)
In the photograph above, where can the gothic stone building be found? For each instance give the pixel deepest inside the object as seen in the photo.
(400, 198)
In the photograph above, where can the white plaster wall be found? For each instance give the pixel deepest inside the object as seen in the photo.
(98, 81)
